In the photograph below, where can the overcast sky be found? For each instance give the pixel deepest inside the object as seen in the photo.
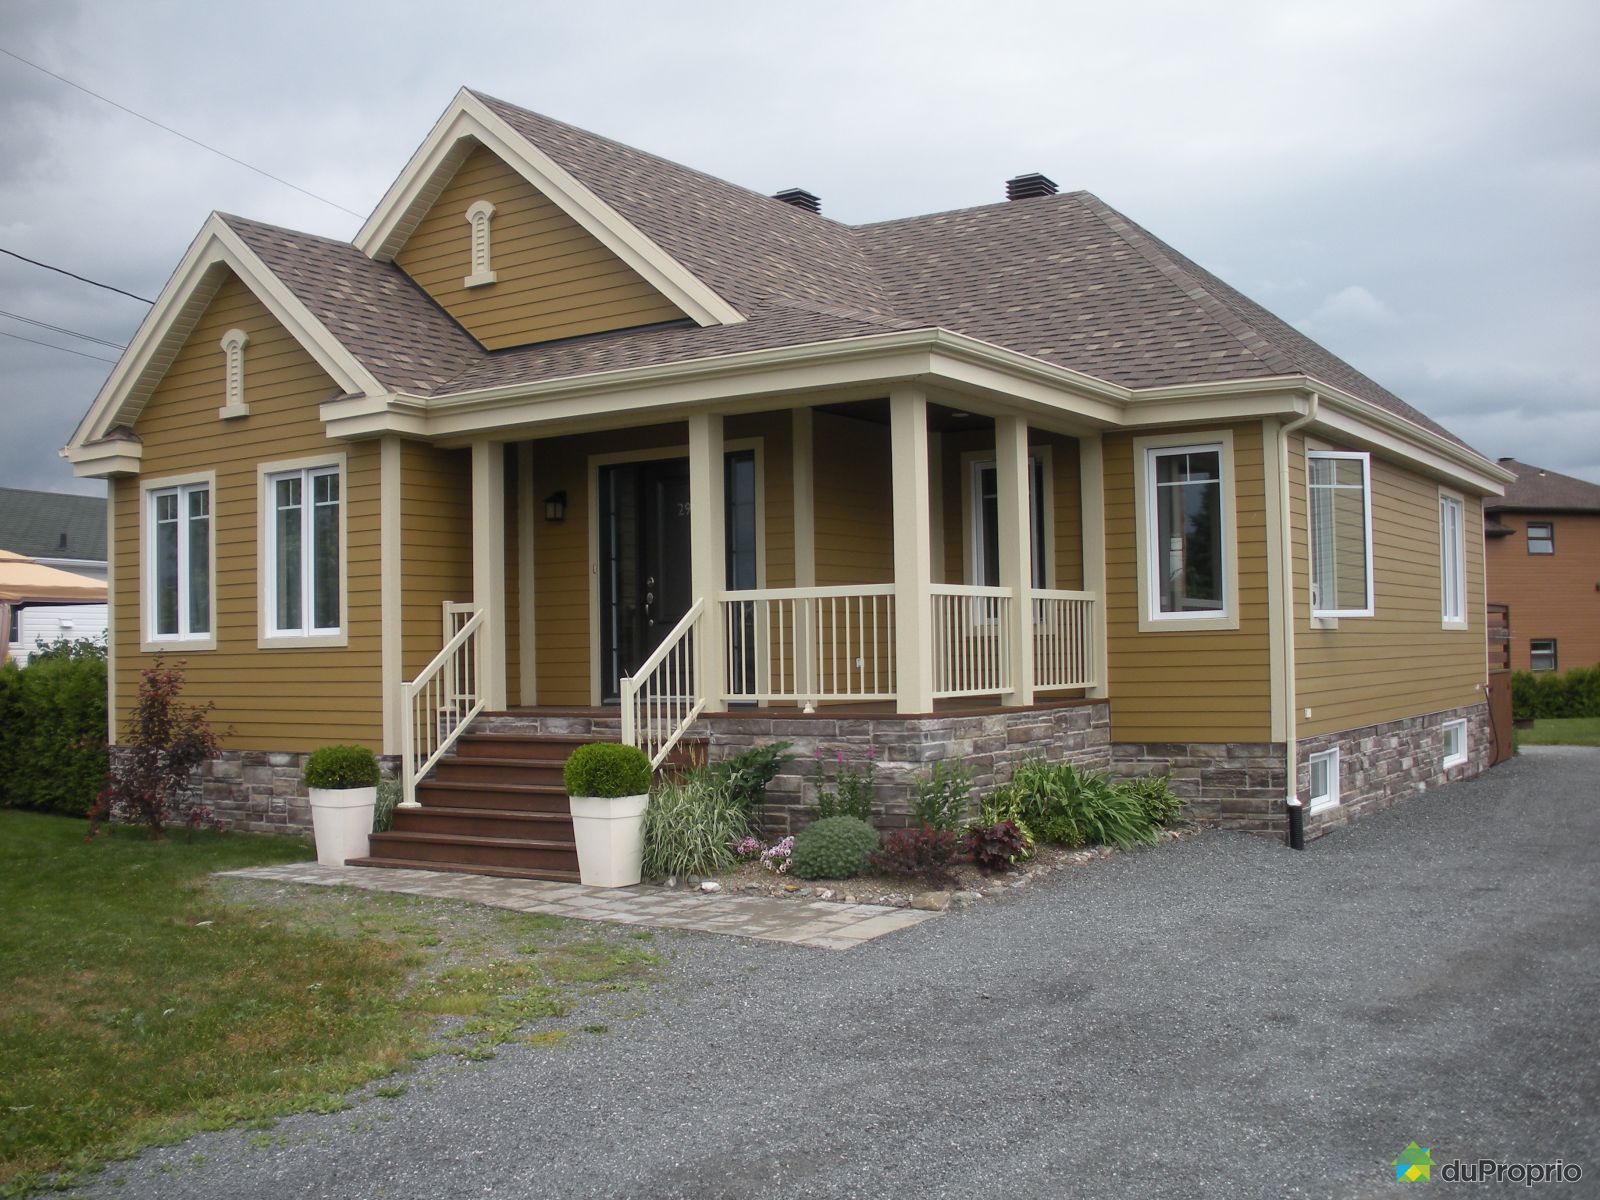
(1415, 184)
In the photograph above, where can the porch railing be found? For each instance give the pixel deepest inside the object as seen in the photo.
(804, 645)
(1063, 640)
(661, 699)
(438, 704)
(972, 640)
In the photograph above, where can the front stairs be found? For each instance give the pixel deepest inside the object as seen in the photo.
(496, 806)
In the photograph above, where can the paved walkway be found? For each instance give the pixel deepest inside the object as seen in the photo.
(820, 923)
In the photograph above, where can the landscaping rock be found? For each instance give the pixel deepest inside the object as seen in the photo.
(710, 885)
(931, 901)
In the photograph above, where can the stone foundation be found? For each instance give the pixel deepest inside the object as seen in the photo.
(1230, 785)
(262, 791)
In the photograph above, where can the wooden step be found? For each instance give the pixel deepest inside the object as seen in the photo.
(519, 797)
(537, 747)
(486, 822)
(480, 768)
(409, 864)
(467, 851)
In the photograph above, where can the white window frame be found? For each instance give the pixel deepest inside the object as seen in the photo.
(974, 463)
(1330, 798)
(1145, 450)
(151, 642)
(1549, 539)
(1461, 756)
(1555, 655)
(1367, 609)
(268, 635)
(1453, 572)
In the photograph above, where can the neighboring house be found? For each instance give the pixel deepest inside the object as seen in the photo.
(27, 586)
(1543, 558)
(64, 532)
(660, 455)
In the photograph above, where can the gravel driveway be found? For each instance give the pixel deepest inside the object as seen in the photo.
(1218, 1017)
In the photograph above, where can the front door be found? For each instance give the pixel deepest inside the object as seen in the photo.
(644, 562)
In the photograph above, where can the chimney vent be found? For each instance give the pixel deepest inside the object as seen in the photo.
(800, 198)
(1026, 187)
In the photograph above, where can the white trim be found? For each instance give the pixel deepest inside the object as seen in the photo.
(391, 568)
(480, 249)
(1151, 619)
(111, 604)
(468, 119)
(268, 637)
(233, 344)
(489, 566)
(216, 250)
(151, 642)
(1462, 755)
(529, 512)
(801, 443)
(1042, 539)
(1329, 799)
(1092, 502)
(1280, 648)
(1463, 620)
(1322, 614)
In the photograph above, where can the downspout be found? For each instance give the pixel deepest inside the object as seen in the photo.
(1291, 748)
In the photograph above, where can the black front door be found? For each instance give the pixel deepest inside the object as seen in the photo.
(644, 562)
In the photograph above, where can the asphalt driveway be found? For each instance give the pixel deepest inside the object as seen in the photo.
(1220, 1017)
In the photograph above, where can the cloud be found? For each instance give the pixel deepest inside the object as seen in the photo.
(1352, 305)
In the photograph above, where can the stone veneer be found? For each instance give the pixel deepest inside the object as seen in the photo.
(1241, 786)
(262, 791)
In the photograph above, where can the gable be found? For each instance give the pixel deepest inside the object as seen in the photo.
(553, 279)
(283, 388)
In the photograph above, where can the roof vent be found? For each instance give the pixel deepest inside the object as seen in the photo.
(800, 198)
(1026, 187)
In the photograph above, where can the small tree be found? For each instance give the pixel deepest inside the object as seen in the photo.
(163, 742)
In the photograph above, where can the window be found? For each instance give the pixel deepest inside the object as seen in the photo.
(985, 522)
(1186, 538)
(1455, 743)
(1542, 654)
(179, 563)
(1341, 533)
(302, 553)
(1452, 562)
(478, 217)
(1541, 537)
(1324, 790)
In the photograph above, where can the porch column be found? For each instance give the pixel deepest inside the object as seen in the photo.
(708, 549)
(913, 551)
(1091, 475)
(1013, 473)
(489, 564)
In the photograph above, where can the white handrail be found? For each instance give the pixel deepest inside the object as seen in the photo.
(660, 700)
(1063, 640)
(440, 703)
(972, 638)
(805, 645)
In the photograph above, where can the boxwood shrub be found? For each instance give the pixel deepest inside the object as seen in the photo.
(334, 767)
(607, 769)
(832, 848)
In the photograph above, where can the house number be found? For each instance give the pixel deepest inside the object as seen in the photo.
(683, 508)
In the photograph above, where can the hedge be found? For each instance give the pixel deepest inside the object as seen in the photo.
(1574, 693)
(53, 729)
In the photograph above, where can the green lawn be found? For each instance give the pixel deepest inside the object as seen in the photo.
(144, 1002)
(1568, 731)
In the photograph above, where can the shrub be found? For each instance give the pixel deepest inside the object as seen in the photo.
(939, 800)
(163, 742)
(335, 767)
(690, 826)
(995, 847)
(389, 793)
(1005, 804)
(746, 774)
(53, 729)
(851, 792)
(1064, 805)
(1156, 797)
(833, 848)
(925, 853)
(1546, 695)
(607, 769)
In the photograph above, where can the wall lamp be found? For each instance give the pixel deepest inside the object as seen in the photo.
(555, 507)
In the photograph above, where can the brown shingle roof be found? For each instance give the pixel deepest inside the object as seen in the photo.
(1538, 489)
(1065, 279)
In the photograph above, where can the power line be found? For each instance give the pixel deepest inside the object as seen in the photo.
(63, 349)
(88, 337)
(179, 133)
(75, 275)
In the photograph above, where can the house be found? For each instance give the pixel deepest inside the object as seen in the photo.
(572, 441)
(1543, 563)
(26, 585)
(67, 533)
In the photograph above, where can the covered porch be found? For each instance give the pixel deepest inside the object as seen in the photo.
(886, 555)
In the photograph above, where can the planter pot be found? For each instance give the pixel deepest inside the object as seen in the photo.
(610, 836)
(341, 818)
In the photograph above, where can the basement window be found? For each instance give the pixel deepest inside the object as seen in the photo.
(1455, 743)
(1324, 790)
